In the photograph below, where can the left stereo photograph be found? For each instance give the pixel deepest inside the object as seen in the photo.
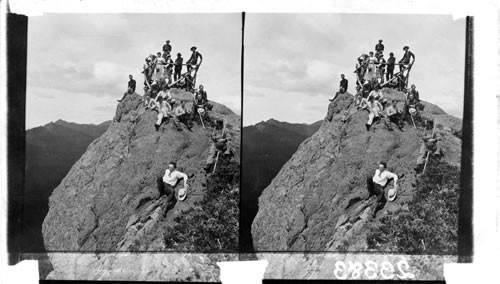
(131, 145)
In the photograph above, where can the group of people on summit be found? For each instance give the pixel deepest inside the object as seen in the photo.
(373, 74)
(159, 93)
(372, 68)
(161, 67)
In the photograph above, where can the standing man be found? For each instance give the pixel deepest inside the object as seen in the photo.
(381, 69)
(193, 60)
(131, 83)
(167, 48)
(408, 58)
(390, 67)
(178, 67)
(379, 48)
(343, 82)
(377, 183)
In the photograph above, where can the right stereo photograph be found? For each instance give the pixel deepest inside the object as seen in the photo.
(352, 144)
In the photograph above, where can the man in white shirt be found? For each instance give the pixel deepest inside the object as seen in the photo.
(377, 183)
(170, 180)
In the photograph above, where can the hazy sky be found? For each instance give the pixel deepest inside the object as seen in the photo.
(78, 64)
(293, 62)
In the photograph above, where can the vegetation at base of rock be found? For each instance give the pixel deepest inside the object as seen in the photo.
(211, 226)
(430, 226)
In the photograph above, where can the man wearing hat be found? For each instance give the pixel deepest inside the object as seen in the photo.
(167, 48)
(379, 48)
(193, 60)
(377, 183)
(178, 67)
(407, 57)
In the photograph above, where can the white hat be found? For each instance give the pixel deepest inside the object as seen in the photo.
(201, 111)
(412, 110)
(391, 195)
(181, 195)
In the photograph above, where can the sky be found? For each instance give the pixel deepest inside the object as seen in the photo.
(293, 62)
(78, 64)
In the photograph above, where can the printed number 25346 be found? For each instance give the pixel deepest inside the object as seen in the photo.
(372, 270)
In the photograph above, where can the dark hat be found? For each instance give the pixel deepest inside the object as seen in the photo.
(379, 40)
(168, 41)
(406, 47)
(178, 54)
(193, 48)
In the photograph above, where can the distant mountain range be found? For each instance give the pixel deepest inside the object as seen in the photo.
(266, 147)
(51, 150)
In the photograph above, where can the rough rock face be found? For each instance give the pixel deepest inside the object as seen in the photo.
(318, 201)
(109, 200)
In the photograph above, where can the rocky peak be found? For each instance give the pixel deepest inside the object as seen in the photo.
(319, 200)
(109, 200)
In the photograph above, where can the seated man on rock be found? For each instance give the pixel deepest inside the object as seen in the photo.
(164, 110)
(170, 179)
(181, 115)
(375, 108)
(430, 144)
(393, 114)
(377, 183)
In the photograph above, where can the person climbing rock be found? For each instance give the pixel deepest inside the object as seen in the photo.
(375, 108)
(128, 92)
(170, 179)
(167, 48)
(219, 145)
(408, 58)
(430, 144)
(390, 67)
(343, 83)
(193, 60)
(379, 48)
(178, 67)
(377, 183)
(393, 114)
(164, 110)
